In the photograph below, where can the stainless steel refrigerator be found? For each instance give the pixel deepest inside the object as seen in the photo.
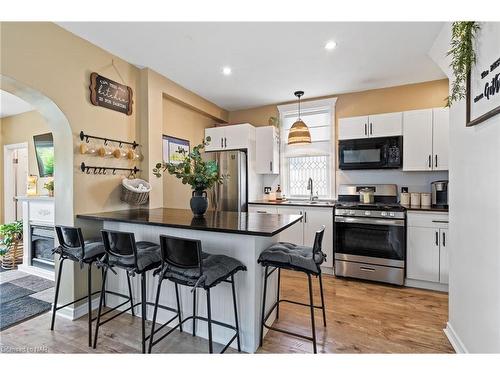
(232, 194)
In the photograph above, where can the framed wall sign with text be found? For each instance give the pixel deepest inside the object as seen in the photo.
(483, 83)
(107, 93)
(171, 146)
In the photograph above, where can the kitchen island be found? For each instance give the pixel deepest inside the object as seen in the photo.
(240, 235)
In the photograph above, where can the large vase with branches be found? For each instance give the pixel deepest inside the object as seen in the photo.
(193, 170)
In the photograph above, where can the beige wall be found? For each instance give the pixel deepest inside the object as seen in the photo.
(391, 99)
(18, 129)
(181, 122)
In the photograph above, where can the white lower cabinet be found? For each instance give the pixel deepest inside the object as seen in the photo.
(303, 233)
(427, 247)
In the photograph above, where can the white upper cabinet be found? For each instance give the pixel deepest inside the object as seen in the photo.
(382, 125)
(440, 138)
(231, 137)
(426, 140)
(417, 140)
(385, 125)
(353, 127)
(267, 146)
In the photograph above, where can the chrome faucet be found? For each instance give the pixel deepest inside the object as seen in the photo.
(310, 185)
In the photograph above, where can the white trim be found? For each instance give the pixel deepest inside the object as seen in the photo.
(9, 183)
(422, 284)
(37, 271)
(307, 106)
(454, 340)
(73, 313)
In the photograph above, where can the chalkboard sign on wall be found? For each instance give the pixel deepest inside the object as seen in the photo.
(107, 93)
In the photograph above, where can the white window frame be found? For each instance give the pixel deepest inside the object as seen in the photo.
(305, 107)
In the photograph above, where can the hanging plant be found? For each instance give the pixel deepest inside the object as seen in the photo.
(463, 57)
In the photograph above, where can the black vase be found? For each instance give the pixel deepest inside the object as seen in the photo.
(199, 202)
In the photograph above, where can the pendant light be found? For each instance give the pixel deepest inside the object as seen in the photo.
(299, 132)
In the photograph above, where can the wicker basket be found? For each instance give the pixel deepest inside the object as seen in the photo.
(131, 194)
(13, 257)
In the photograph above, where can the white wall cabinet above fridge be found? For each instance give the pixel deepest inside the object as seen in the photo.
(381, 125)
(267, 147)
(425, 140)
(230, 137)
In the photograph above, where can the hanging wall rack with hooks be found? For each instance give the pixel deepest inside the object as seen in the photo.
(90, 169)
(86, 137)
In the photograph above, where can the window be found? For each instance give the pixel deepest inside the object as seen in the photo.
(316, 160)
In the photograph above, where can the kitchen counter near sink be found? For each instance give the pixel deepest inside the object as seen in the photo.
(294, 202)
(240, 235)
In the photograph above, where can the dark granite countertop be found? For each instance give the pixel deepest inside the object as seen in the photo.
(229, 222)
(292, 202)
(426, 208)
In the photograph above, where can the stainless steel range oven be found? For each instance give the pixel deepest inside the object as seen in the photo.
(370, 240)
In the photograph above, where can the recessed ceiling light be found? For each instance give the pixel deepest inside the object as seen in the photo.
(226, 71)
(330, 45)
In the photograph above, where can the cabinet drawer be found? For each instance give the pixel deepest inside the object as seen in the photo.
(428, 219)
(261, 209)
(41, 211)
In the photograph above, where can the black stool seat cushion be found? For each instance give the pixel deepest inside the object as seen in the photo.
(289, 255)
(93, 249)
(216, 268)
(148, 257)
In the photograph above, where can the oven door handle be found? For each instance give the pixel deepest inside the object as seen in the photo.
(362, 220)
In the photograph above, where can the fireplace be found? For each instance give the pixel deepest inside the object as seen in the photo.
(42, 244)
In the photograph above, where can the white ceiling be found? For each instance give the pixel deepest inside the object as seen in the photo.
(11, 105)
(270, 61)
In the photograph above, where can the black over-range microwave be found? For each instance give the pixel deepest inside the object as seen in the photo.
(371, 153)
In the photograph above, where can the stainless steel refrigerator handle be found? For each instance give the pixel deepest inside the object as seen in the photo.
(362, 220)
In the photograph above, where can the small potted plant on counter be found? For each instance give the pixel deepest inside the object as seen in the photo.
(193, 170)
(50, 187)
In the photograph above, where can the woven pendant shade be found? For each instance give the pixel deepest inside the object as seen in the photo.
(299, 132)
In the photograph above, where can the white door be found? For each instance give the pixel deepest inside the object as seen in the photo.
(417, 140)
(444, 255)
(217, 139)
(353, 127)
(423, 254)
(21, 171)
(295, 233)
(314, 219)
(236, 137)
(15, 175)
(386, 125)
(440, 138)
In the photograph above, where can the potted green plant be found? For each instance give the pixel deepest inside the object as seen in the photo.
(193, 170)
(11, 235)
(50, 187)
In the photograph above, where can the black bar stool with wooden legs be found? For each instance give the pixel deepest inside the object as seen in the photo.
(121, 251)
(297, 258)
(184, 263)
(73, 247)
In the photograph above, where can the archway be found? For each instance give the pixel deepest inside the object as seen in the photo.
(63, 139)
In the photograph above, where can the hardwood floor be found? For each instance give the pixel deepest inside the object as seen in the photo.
(361, 318)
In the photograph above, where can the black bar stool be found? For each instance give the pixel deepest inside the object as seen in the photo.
(73, 247)
(184, 263)
(121, 251)
(297, 258)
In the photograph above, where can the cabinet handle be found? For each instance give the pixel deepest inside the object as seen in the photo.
(440, 221)
(366, 132)
(435, 161)
(305, 216)
(300, 212)
(225, 142)
(444, 239)
(261, 212)
(437, 238)
(270, 166)
(430, 161)
(371, 128)
(221, 142)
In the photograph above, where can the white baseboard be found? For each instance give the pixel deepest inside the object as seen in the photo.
(454, 340)
(426, 285)
(46, 274)
(72, 313)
